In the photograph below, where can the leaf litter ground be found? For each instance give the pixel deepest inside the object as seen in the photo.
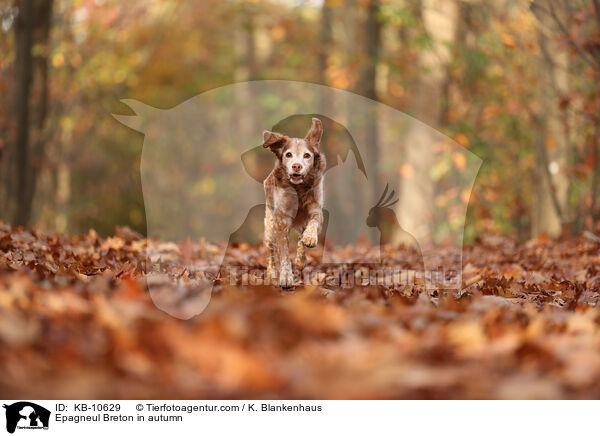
(76, 321)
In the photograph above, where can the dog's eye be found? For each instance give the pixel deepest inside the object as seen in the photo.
(288, 154)
(306, 155)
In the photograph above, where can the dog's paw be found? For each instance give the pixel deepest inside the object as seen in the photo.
(286, 277)
(310, 237)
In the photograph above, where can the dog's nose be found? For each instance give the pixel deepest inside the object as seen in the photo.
(297, 167)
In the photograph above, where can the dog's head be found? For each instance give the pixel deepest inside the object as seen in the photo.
(298, 158)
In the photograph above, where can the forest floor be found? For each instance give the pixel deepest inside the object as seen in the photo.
(77, 321)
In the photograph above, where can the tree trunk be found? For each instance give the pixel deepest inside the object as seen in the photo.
(246, 70)
(20, 168)
(595, 214)
(39, 90)
(32, 29)
(325, 41)
(416, 188)
(550, 198)
(368, 87)
(246, 64)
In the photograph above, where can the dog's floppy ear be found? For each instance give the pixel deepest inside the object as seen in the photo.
(313, 137)
(274, 141)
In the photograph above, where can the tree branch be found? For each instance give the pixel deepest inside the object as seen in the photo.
(597, 10)
(589, 60)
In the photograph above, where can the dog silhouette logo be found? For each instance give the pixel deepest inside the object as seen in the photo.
(202, 169)
(26, 415)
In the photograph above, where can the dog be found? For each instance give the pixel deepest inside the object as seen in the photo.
(294, 199)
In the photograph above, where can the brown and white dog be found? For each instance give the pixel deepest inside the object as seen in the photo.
(294, 199)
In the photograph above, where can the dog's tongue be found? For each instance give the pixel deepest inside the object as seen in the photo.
(296, 178)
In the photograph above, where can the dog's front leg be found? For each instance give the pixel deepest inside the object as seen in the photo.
(272, 265)
(300, 256)
(310, 236)
(282, 224)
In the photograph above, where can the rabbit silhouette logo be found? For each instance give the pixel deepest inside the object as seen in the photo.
(26, 415)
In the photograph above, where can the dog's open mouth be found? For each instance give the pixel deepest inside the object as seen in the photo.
(296, 178)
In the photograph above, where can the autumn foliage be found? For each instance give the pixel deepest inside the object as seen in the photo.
(76, 321)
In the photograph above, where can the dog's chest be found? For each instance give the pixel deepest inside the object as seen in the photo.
(301, 218)
(293, 203)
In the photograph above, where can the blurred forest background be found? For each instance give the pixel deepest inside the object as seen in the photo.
(514, 81)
